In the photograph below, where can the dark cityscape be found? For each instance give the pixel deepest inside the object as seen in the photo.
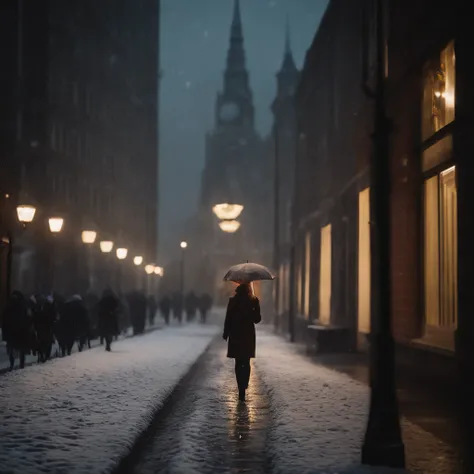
(236, 237)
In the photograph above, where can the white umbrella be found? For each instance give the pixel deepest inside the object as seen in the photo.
(248, 272)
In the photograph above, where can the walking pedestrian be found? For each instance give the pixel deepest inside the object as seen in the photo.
(243, 312)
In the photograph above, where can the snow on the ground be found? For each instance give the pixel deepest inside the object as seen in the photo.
(81, 414)
(318, 415)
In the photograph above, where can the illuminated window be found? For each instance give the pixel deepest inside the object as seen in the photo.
(439, 92)
(440, 252)
(307, 275)
(325, 276)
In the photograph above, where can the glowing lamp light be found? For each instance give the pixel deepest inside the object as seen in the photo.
(158, 271)
(106, 246)
(227, 211)
(229, 226)
(138, 260)
(149, 269)
(121, 253)
(56, 224)
(183, 244)
(89, 236)
(26, 214)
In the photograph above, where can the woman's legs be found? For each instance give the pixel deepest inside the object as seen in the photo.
(242, 374)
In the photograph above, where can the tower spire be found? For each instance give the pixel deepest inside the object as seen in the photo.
(236, 52)
(288, 60)
(236, 28)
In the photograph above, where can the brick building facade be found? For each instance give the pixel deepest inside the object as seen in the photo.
(425, 87)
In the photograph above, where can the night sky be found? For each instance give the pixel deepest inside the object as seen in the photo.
(194, 41)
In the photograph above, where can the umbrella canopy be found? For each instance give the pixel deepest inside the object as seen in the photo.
(248, 272)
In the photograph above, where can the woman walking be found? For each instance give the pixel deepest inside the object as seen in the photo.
(243, 312)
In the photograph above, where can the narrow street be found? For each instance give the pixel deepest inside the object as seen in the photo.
(205, 429)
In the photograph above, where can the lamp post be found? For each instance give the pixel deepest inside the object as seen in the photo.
(106, 247)
(121, 253)
(137, 261)
(383, 445)
(149, 270)
(276, 225)
(25, 215)
(158, 271)
(55, 227)
(184, 246)
(88, 238)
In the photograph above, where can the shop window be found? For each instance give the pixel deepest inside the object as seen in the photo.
(439, 92)
(440, 254)
(325, 276)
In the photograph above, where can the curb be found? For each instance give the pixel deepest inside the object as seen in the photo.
(126, 463)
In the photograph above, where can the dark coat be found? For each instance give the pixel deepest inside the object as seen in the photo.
(243, 312)
(108, 309)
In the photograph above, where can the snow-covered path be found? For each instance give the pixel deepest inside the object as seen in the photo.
(81, 414)
(318, 418)
(299, 418)
(206, 430)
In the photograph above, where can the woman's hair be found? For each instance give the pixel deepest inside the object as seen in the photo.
(245, 289)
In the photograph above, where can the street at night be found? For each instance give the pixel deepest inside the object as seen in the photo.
(236, 237)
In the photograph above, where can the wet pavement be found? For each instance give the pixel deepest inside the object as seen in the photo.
(204, 428)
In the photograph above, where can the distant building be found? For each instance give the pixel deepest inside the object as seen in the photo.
(82, 82)
(236, 171)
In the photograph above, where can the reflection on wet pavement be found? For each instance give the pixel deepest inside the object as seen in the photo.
(206, 429)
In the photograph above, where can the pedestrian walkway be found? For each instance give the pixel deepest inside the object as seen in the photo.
(319, 417)
(207, 430)
(82, 413)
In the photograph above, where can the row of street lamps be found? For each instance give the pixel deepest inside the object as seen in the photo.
(26, 215)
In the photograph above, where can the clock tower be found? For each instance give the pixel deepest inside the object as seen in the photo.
(234, 105)
(235, 171)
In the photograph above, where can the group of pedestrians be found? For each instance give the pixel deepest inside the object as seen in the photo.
(191, 304)
(35, 325)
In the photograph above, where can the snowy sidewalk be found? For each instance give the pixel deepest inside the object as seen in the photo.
(319, 417)
(82, 413)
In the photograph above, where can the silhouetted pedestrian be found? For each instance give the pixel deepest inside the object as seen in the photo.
(109, 307)
(205, 305)
(243, 312)
(191, 304)
(165, 308)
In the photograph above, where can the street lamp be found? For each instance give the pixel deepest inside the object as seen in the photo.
(25, 214)
(138, 260)
(106, 246)
(229, 226)
(88, 236)
(158, 271)
(121, 253)
(227, 211)
(183, 246)
(55, 224)
(149, 269)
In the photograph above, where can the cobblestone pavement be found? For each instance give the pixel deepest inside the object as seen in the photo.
(206, 429)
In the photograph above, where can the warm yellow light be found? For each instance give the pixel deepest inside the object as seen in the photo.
(149, 269)
(56, 224)
(183, 244)
(158, 271)
(227, 211)
(26, 214)
(138, 260)
(121, 253)
(229, 226)
(106, 246)
(89, 236)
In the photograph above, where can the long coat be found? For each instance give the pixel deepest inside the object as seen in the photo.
(243, 312)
